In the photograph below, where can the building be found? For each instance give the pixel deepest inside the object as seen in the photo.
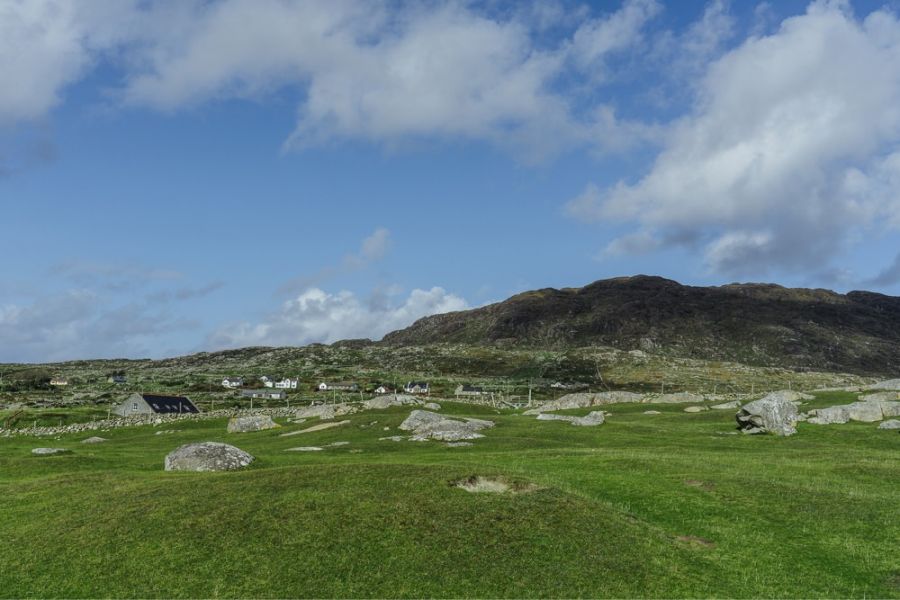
(149, 404)
(287, 383)
(383, 389)
(118, 379)
(343, 386)
(267, 394)
(469, 390)
(267, 381)
(416, 387)
(59, 381)
(233, 382)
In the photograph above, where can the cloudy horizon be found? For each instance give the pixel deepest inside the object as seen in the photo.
(192, 175)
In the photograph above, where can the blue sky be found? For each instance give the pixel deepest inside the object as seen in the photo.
(184, 176)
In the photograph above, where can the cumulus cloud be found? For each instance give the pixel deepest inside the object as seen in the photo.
(789, 149)
(319, 316)
(380, 71)
(48, 44)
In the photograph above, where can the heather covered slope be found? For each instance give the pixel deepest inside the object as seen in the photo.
(758, 324)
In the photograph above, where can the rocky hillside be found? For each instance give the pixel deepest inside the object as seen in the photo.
(759, 324)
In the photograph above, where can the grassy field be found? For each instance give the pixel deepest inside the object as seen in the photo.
(669, 505)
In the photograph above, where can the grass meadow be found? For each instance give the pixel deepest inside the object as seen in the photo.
(668, 505)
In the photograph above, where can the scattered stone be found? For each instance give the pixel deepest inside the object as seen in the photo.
(867, 411)
(304, 449)
(880, 397)
(890, 384)
(385, 428)
(94, 440)
(324, 411)
(336, 444)
(652, 412)
(389, 400)
(49, 451)
(726, 405)
(432, 406)
(426, 425)
(356, 451)
(393, 438)
(298, 421)
(251, 423)
(892, 424)
(165, 431)
(319, 427)
(593, 418)
(585, 400)
(207, 456)
(773, 413)
(459, 444)
(696, 409)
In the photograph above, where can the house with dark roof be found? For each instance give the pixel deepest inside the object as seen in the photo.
(469, 390)
(233, 382)
(150, 404)
(416, 387)
(342, 386)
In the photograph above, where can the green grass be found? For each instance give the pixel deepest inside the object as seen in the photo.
(813, 515)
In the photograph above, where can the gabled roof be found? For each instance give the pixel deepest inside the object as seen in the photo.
(169, 404)
(421, 384)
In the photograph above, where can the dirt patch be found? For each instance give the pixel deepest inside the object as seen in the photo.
(693, 540)
(478, 484)
(703, 485)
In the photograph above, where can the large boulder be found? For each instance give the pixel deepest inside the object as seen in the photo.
(868, 411)
(773, 413)
(251, 423)
(389, 400)
(426, 425)
(207, 456)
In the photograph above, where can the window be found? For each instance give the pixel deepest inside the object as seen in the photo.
(134, 406)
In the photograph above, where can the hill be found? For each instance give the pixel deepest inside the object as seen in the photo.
(756, 324)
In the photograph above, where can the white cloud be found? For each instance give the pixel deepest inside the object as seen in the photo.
(379, 71)
(788, 150)
(80, 323)
(48, 44)
(318, 316)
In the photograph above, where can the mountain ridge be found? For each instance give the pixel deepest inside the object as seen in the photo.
(755, 323)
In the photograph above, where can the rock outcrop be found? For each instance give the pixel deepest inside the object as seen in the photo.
(389, 400)
(891, 424)
(592, 419)
(48, 451)
(94, 440)
(251, 423)
(773, 413)
(870, 410)
(426, 425)
(207, 456)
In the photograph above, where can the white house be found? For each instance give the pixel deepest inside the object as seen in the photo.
(416, 387)
(288, 383)
(269, 394)
(469, 390)
(383, 389)
(59, 381)
(233, 382)
(267, 381)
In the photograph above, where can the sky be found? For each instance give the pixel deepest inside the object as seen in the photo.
(180, 176)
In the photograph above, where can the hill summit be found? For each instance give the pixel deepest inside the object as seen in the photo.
(758, 324)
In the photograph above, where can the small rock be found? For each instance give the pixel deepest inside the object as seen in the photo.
(48, 451)
(727, 405)
(304, 449)
(695, 409)
(336, 444)
(652, 412)
(94, 440)
(432, 406)
(393, 438)
(892, 424)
